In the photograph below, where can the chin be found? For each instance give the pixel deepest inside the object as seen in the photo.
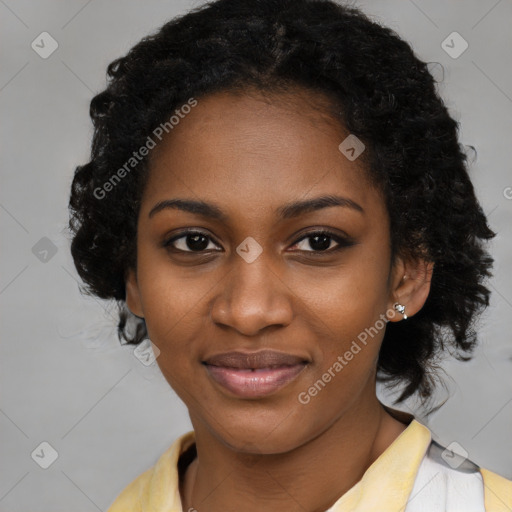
(260, 443)
(261, 432)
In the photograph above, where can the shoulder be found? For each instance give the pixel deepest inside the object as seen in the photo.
(448, 481)
(498, 491)
(158, 487)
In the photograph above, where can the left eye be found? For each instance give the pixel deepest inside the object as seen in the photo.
(320, 241)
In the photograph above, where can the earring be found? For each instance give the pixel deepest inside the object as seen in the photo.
(400, 309)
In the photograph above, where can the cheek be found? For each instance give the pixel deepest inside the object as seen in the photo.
(168, 305)
(171, 295)
(345, 356)
(349, 308)
(366, 287)
(349, 298)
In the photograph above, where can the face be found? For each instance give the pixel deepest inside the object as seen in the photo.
(264, 295)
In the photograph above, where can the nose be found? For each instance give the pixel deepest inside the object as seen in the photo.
(253, 297)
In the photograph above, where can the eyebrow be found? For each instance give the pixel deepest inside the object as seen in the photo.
(286, 211)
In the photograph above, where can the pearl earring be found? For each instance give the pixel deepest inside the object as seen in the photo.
(401, 309)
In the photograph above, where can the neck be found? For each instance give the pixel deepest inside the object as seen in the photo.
(311, 477)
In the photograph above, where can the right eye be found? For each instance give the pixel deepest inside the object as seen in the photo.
(190, 241)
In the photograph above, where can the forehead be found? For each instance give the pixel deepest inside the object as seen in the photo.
(253, 153)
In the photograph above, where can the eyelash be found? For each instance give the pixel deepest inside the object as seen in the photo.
(341, 241)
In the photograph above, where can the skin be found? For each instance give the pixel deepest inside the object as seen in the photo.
(250, 155)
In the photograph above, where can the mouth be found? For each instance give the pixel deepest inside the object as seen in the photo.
(255, 374)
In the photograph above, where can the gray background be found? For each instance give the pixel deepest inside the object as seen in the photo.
(64, 378)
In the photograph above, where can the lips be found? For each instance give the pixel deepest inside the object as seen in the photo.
(255, 374)
(254, 360)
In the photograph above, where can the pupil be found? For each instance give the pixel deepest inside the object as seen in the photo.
(194, 243)
(324, 244)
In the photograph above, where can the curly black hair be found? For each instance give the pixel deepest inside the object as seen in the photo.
(379, 90)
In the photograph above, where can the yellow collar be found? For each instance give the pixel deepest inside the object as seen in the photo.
(386, 484)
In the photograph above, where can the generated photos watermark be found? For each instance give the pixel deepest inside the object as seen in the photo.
(304, 397)
(143, 151)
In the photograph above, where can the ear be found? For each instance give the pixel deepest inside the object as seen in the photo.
(132, 294)
(410, 286)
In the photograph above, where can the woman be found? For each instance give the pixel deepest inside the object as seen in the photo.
(278, 200)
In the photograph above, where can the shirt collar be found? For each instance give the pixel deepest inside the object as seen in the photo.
(385, 485)
(388, 482)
